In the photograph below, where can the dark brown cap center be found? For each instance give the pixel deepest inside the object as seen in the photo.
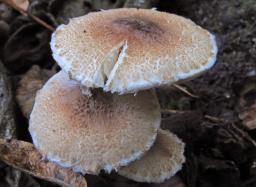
(136, 24)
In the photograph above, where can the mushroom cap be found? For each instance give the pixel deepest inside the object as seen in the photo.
(88, 134)
(162, 161)
(127, 50)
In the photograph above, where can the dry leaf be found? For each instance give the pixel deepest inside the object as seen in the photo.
(21, 3)
(30, 41)
(247, 106)
(23, 156)
(248, 117)
(11, 177)
(63, 10)
(30, 83)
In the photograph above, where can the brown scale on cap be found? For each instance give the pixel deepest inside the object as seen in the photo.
(89, 108)
(141, 27)
(128, 50)
(163, 160)
(88, 134)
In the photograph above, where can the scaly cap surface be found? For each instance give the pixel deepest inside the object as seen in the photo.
(161, 162)
(88, 134)
(128, 50)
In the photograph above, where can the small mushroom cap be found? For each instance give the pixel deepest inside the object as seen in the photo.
(128, 50)
(162, 161)
(88, 134)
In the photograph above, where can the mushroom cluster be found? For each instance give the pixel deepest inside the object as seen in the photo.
(101, 112)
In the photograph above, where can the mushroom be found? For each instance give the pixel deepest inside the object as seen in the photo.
(161, 162)
(88, 134)
(127, 50)
(120, 51)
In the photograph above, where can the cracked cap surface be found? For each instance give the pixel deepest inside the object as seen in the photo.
(88, 134)
(128, 50)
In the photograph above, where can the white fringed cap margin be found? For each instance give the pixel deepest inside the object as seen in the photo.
(88, 134)
(127, 50)
(161, 162)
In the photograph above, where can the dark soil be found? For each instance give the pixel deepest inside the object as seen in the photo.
(220, 151)
(211, 160)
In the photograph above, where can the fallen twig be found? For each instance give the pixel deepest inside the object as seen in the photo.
(244, 134)
(170, 111)
(184, 90)
(23, 156)
(215, 119)
(25, 13)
